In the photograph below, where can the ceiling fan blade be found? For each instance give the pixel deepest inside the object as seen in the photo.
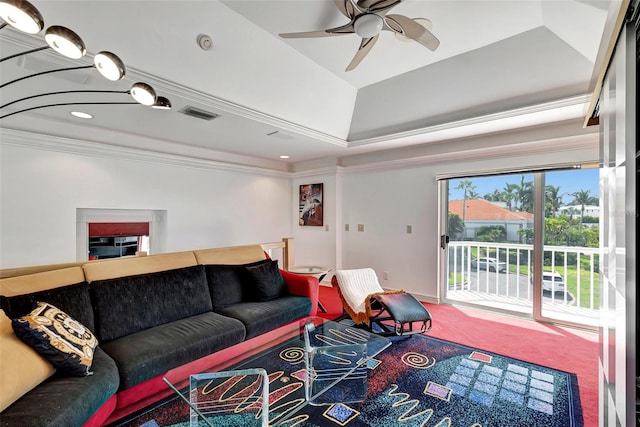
(345, 7)
(337, 31)
(377, 6)
(411, 29)
(365, 47)
(366, 4)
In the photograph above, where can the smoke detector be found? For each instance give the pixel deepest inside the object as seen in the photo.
(205, 41)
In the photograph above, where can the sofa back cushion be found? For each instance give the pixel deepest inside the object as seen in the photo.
(232, 255)
(64, 288)
(229, 284)
(126, 305)
(123, 267)
(22, 271)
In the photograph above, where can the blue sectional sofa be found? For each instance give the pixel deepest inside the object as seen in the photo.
(150, 315)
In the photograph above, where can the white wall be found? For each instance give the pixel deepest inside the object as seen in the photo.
(385, 203)
(207, 206)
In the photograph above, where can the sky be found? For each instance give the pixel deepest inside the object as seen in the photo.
(569, 181)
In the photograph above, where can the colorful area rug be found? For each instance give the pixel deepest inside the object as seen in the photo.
(419, 381)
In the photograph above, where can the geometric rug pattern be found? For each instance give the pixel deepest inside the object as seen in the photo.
(416, 382)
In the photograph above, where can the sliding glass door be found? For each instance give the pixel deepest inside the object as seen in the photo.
(499, 226)
(570, 270)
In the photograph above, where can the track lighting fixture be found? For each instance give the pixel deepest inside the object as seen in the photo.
(109, 65)
(162, 103)
(143, 93)
(65, 42)
(23, 16)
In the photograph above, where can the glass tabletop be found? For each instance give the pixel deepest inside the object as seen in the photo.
(309, 269)
(330, 333)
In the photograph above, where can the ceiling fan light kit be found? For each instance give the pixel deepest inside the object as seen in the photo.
(368, 25)
(367, 19)
(23, 16)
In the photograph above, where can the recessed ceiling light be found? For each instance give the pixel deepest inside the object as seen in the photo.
(81, 115)
(284, 157)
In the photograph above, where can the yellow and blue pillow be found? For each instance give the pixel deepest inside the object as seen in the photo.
(66, 343)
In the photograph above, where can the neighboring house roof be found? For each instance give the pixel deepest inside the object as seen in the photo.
(480, 209)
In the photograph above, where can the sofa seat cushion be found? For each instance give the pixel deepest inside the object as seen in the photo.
(261, 317)
(155, 351)
(127, 305)
(64, 400)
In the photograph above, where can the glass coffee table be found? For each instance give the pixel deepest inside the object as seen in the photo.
(312, 361)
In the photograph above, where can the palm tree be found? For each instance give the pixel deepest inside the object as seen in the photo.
(494, 196)
(553, 199)
(469, 189)
(509, 194)
(525, 195)
(583, 198)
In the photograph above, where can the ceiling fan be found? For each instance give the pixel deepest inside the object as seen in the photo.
(367, 19)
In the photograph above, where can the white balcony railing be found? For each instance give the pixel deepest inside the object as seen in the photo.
(577, 267)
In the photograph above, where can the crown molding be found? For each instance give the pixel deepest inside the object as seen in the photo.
(11, 137)
(556, 145)
(329, 170)
(37, 141)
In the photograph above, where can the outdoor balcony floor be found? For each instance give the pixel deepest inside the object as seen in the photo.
(557, 310)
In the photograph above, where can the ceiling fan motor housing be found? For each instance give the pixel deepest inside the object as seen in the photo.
(368, 25)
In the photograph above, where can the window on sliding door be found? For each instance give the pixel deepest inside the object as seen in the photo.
(497, 225)
(490, 229)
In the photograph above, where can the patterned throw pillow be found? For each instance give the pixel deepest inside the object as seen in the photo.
(60, 339)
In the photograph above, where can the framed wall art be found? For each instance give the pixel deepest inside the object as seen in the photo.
(310, 200)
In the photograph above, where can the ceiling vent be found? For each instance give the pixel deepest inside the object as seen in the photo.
(198, 113)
